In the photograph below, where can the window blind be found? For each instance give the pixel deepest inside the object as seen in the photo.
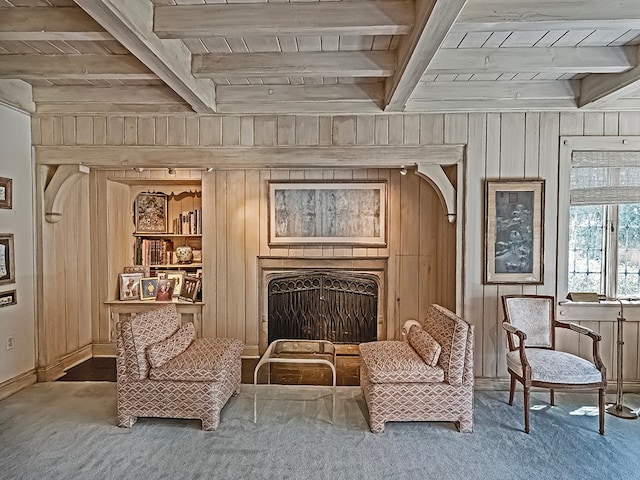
(599, 178)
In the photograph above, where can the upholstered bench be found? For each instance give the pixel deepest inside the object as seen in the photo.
(428, 377)
(165, 371)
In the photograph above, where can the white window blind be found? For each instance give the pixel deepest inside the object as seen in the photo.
(599, 178)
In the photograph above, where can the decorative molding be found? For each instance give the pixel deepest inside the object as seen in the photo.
(441, 183)
(56, 370)
(54, 193)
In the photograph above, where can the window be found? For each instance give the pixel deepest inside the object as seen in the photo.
(604, 223)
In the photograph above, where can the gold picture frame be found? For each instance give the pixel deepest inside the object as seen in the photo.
(148, 288)
(7, 259)
(6, 192)
(151, 213)
(514, 232)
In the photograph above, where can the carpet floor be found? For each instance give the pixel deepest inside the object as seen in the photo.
(67, 430)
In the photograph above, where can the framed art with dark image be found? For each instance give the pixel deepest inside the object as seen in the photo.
(151, 213)
(6, 193)
(8, 298)
(190, 288)
(7, 262)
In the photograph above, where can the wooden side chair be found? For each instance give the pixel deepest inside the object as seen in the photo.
(532, 359)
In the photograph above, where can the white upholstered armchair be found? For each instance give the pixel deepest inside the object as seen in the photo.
(532, 359)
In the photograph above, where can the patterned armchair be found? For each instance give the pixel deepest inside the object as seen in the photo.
(532, 359)
(164, 371)
(428, 377)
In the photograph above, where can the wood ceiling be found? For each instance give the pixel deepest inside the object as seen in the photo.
(310, 56)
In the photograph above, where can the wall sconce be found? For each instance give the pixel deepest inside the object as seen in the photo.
(138, 169)
(403, 170)
(172, 171)
(210, 169)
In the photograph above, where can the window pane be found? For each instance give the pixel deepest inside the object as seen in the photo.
(628, 250)
(586, 229)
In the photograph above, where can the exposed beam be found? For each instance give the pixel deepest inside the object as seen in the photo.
(554, 59)
(49, 24)
(599, 89)
(151, 94)
(112, 108)
(415, 52)
(73, 67)
(542, 15)
(377, 17)
(492, 105)
(301, 64)
(17, 94)
(480, 90)
(131, 24)
(339, 98)
(370, 156)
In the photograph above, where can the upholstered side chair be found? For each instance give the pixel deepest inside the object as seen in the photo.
(532, 360)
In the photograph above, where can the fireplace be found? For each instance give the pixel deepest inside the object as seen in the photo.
(333, 305)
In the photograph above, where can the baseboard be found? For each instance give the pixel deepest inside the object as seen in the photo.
(15, 384)
(104, 350)
(56, 370)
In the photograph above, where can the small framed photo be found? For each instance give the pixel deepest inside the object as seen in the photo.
(7, 262)
(8, 298)
(151, 213)
(164, 292)
(142, 269)
(148, 288)
(177, 277)
(190, 289)
(130, 286)
(514, 232)
(6, 192)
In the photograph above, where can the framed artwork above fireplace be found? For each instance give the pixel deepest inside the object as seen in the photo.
(328, 213)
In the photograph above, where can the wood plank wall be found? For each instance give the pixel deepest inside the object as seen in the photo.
(509, 145)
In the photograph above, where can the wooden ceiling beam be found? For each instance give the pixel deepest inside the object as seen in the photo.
(301, 64)
(151, 94)
(74, 67)
(600, 89)
(17, 94)
(49, 24)
(415, 52)
(505, 90)
(131, 24)
(491, 105)
(377, 17)
(554, 59)
(541, 15)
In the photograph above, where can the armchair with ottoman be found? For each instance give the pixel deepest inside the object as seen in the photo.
(427, 377)
(163, 370)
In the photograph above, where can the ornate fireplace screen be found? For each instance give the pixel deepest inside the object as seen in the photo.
(334, 306)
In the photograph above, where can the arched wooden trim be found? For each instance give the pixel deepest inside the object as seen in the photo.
(54, 193)
(434, 174)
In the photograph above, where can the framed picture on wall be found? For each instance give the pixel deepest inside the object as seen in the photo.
(7, 262)
(151, 213)
(514, 232)
(6, 192)
(8, 298)
(331, 213)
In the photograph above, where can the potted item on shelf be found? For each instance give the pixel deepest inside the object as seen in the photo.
(184, 254)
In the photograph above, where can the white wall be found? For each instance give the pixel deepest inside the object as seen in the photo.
(18, 320)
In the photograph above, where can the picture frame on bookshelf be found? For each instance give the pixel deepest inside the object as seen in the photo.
(164, 291)
(6, 192)
(142, 269)
(190, 289)
(177, 277)
(129, 286)
(7, 259)
(8, 298)
(151, 213)
(148, 288)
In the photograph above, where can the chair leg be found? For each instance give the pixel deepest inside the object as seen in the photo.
(512, 389)
(551, 397)
(601, 395)
(526, 409)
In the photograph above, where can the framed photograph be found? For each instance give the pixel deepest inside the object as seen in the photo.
(336, 213)
(514, 232)
(177, 277)
(7, 262)
(148, 288)
(130, 286)
(6, 192)
(8, 298)
(151, 213)
(142, 269)
(190, 288)
(164, 292)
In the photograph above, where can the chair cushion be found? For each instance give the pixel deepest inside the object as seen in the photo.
(555, 367)
(206, 360)
(161, 352)
(424, 344)
(393, 361)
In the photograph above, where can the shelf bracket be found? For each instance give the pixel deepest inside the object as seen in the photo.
(434, 174)
(54, 193)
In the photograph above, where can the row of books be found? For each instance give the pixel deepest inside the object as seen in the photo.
(153, 251)
(188, 223)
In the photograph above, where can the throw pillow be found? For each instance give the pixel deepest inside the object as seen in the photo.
(425, 345)
(161, 352)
